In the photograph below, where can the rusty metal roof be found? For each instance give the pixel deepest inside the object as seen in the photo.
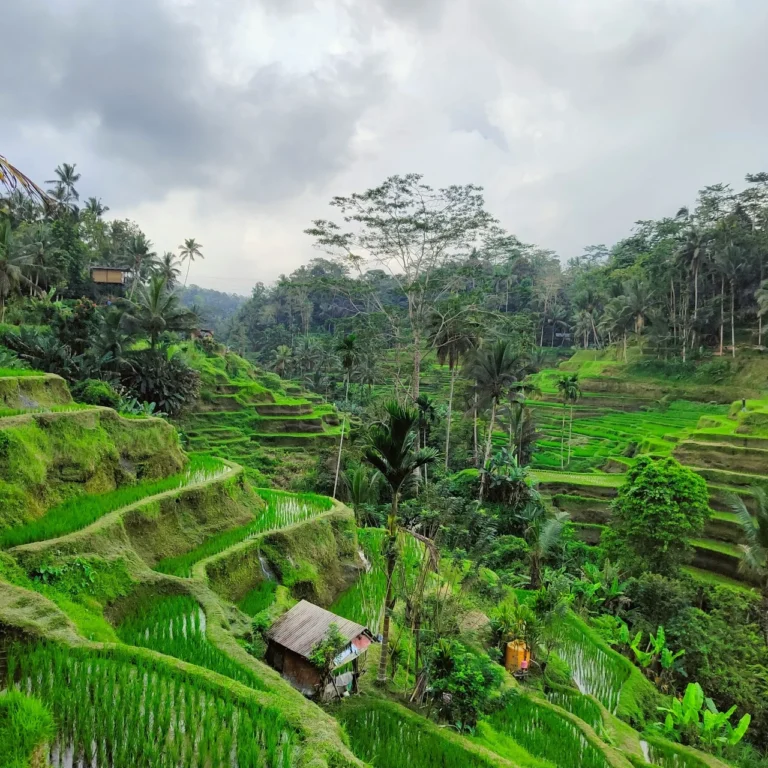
(306, 625)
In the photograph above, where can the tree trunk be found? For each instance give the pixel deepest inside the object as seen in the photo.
(450, 413)
(722, 312)
(389, 598)
(562, 440)
(474, 430)
(416, 362)
(570, 436)
(338, 460)
(484, 475)
(733, 312)
(346, 389)
(535, 574)
(765, 613)
(625, 346)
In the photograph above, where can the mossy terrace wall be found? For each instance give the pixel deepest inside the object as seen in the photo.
(46, 458)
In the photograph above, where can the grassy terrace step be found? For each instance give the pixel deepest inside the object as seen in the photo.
(717, 546)
(728, 477)
(716, 579)
(78, 513)
(175, 625)
(283, 509)
(31, 389)
(602, 480)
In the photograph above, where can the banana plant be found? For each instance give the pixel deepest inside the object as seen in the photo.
(695, 718)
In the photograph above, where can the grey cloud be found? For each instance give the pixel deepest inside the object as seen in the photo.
(135, 75)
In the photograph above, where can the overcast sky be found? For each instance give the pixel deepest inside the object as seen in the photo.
(235, 121)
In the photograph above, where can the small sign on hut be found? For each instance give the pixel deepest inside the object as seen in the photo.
(293, 637)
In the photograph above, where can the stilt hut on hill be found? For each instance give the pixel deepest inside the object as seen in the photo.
(293, 637)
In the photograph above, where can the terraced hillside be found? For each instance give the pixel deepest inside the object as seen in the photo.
(126, 602)
(726, 444)
(123, 532)
(267, 425)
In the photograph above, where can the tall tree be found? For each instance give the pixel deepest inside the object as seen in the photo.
(495, 369)
(157, 309)
(730, 260)
(168, 268)
(392, 451)
(754, 554)
(96, 207)
(140, 254)
(411, 231)
(188, 252)
(570, 392)
(349, 351)
(64, 183)
(453, 335)
(11, 266)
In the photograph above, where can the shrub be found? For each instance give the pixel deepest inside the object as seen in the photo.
(166, 381)
(95, 392)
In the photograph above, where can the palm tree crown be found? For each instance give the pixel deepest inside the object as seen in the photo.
(188, 252)
(157, 310)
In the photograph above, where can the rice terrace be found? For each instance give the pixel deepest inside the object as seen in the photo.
(436, 498)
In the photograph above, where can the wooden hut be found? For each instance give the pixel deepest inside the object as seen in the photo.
(109, 275)
(293, 637)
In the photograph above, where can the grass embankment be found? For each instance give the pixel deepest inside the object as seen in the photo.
(283, 509)
(175, 626)
(13, 373)
(75, 514)
(25, 728)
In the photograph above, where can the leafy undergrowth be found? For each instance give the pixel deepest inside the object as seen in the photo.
(175, 626)
(283, 509)
(80, 512)
(143, 712)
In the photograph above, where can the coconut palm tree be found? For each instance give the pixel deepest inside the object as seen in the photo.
(453, 338)
(392, 450)
(639, 301)
(12, 266)
(281, 359)
(542, 530)
(362, 488)
(348, 351)
(616, 322)
(64, 183)
(692, 253)
(427, 417)
(729, 261)
(495, 369)
(570, 392)
(140, 254)
(190, 251)
(37, 243)
(761, 296)
(168, 268)
(157, 309)
(96, 207)
(754, 554)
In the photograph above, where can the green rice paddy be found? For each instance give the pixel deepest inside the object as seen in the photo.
(175, 626)
(140, 712)
(282, 509)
